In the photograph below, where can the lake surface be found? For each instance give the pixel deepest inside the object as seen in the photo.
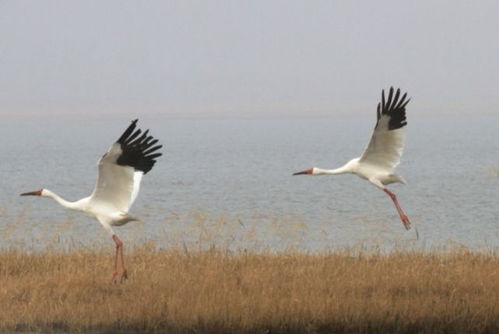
(228, 183)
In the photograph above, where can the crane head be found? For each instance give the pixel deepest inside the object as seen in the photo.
(33, 193)
(305, 172)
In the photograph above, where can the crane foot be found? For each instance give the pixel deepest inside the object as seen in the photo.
(114, 277)
(124, 276)
(406, 222)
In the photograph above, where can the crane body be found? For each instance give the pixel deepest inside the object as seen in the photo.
(120, 172)
(382, 155)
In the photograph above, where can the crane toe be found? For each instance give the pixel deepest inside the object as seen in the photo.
(114, 277)
(406, 222)
(124, 275)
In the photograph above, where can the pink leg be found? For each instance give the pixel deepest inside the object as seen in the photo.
(403, 216)
(119, 252)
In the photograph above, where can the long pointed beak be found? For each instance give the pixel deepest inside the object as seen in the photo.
(305, 172)
(33, 193)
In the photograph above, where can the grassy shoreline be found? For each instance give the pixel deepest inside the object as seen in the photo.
(221, 292)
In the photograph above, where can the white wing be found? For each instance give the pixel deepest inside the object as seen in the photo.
(387, 141)
(122, 167)
(137, 177)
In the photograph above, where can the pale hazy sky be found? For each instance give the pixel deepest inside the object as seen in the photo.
(246, 58)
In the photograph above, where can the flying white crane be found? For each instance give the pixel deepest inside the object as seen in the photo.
(120, 171)
(377, 163)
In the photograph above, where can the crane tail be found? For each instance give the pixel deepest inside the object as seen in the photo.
(400, 179)
(125, 218)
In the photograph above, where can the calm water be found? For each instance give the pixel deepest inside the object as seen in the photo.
(229, 183)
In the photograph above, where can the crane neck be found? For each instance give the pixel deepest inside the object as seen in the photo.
(320, 171)
(60, 200)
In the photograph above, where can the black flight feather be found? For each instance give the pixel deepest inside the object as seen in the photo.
(393, 108)
(137, 152)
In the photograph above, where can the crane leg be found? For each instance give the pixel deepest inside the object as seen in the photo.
(119, 254)
(403, 216)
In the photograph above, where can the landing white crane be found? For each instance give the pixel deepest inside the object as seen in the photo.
(120, 171)
(377, 163)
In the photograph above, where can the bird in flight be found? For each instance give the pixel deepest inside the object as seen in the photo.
(378, 162)
(120, 171)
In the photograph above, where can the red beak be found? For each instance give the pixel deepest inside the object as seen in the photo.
(305, 172)
(33, 193)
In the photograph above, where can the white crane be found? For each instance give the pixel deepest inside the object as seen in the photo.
(377, 163)
(120, 171)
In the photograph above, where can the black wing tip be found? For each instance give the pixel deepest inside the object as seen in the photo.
(388, 106)
(128, 131)
(136, 150)
(394, 107)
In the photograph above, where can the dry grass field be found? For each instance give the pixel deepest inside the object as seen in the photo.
(176, 291)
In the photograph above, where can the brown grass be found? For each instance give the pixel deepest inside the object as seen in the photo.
(219, 292)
